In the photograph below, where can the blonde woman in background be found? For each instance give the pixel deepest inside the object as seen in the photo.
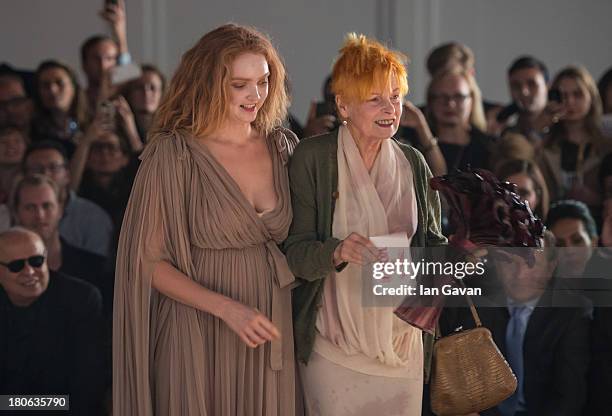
(456, 117)
(575, 146)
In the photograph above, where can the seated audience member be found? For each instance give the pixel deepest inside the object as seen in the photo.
(572, 152)
(103, 170)
(575, 232)
(322, 116)
(455, 56)
(52, 333)
(13, 143)
(144, 95)
(528, 84)
(512, 146)
(60, 104)
(600, 374)
(84, 224)
(529, 182)
(36, 206)
(546, 346)
(100, 54)
(600, 265)
(15, 105)
(456, 118)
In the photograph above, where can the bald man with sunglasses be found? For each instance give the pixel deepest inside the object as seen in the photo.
(51, 328)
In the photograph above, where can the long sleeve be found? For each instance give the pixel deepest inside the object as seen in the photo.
(155, 228)
(308, 256)
(87, 374)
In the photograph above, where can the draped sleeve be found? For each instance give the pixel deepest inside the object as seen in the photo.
(156, 228)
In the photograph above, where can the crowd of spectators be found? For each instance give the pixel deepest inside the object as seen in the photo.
(69, 154)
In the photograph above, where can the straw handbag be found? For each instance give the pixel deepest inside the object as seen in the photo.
(469, 372)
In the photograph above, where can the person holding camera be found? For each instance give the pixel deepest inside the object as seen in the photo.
(100, 54)
(574, 147)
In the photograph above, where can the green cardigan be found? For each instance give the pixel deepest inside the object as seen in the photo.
(313, 175)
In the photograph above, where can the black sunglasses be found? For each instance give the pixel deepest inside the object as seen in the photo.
(16, 266)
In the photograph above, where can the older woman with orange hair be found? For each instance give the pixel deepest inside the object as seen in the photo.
(348, 185)
(201, 294)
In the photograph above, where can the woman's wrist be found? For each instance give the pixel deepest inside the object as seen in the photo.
(431, 144)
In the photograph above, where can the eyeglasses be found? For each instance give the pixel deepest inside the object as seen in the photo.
(16, 266)
(42, 169)
(445, 98)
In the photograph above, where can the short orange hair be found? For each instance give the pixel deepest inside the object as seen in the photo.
(365, 65)
(197, 97)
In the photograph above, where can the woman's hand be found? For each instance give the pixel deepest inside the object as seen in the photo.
(114, 14)
(253, 328)
(96, 128)
(552, 114)
(128, 122)
(413, 117)
(359, 250)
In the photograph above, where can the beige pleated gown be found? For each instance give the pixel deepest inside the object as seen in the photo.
(171, 359)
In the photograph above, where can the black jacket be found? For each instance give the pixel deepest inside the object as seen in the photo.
(55, 345)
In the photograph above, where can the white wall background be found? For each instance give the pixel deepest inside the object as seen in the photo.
(309, 32)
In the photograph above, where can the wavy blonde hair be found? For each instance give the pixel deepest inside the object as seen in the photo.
(592, 121)
(477, 114)
(198, 95)
(364, 65)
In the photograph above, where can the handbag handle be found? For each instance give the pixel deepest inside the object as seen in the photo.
(471, 304)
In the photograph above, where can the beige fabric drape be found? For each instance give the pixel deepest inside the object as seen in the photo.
(171, 359)
(382, 356)
(372, 203)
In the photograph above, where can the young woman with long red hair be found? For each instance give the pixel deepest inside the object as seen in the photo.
(202, 321)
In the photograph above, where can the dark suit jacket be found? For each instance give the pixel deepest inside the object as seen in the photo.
(600, 374)
(55, 345)
(555, 353)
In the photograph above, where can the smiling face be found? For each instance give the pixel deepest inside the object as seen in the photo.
(25, 286)
(248, 87)
(377, 117)
(12, 147)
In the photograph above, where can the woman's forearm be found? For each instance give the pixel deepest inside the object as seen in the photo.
(78, 162)
(171, 282)
(431, 151)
